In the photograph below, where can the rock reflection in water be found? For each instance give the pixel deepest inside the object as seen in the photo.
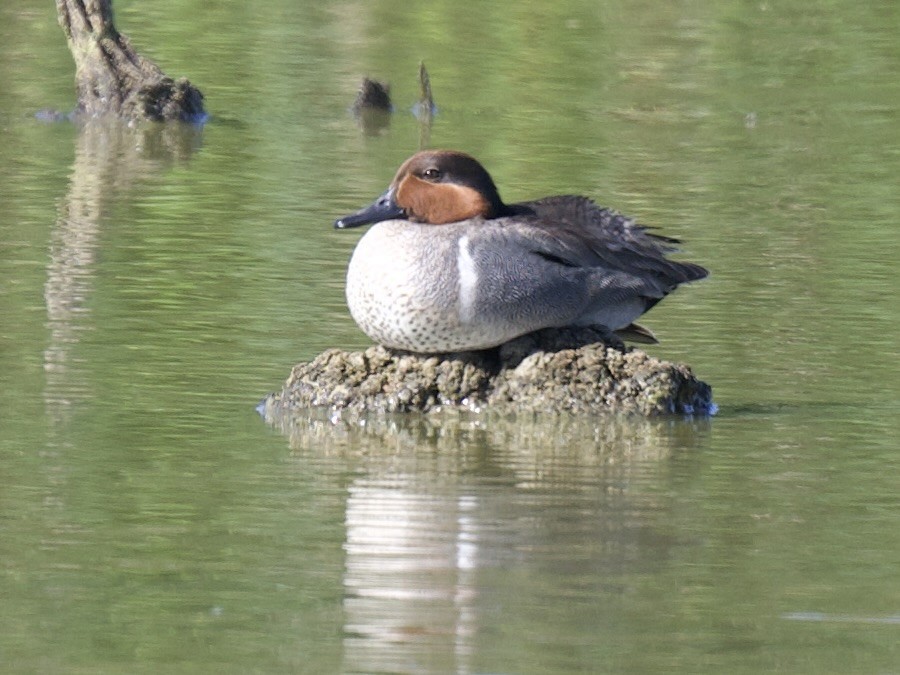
(442, 507)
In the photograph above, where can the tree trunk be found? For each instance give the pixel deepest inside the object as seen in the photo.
(112, 78)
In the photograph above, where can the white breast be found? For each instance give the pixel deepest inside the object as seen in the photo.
(402, 287)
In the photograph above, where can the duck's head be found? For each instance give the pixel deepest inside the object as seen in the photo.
(434, 187)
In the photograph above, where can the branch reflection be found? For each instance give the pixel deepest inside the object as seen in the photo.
(110, 158)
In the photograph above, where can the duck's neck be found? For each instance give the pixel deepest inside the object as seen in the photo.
(506, 210)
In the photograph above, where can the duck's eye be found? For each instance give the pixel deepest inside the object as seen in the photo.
(432, 174)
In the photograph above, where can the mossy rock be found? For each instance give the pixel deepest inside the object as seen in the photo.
(579, 370)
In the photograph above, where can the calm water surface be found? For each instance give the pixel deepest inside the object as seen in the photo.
(154, 284)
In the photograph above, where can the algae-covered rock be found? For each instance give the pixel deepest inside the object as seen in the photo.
(570, 369)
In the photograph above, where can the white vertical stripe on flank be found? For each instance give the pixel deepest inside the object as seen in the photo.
(468, 280)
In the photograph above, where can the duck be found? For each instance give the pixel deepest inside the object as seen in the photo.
(448, 267)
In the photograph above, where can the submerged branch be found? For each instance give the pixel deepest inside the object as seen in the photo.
(112, 78)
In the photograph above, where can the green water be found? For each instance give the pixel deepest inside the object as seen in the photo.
(154, 285)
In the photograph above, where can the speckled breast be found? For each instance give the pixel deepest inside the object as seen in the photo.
(457, 287)
(403, 286)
